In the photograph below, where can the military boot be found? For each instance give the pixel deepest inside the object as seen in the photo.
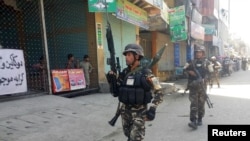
(199, 123)
(192, 124)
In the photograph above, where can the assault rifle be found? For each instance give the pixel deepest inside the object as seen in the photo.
(117, 114)
(114, 66)
(209, 103)
(113, 62)
(149, 65)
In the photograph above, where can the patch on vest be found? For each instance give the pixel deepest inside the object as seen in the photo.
(130, 81)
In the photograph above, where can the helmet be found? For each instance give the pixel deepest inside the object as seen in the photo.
(134, 48)
(199, 48)
(213, 58)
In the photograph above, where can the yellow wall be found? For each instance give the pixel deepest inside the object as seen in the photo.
(100, 52)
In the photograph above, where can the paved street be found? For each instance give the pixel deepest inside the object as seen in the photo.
(86, 118)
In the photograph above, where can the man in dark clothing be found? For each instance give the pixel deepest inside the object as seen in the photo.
(197, 85)
(72, 64)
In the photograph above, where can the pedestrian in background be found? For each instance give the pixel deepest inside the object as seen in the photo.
(71, 63)
(215, 74)
(41, 68)
(137, 88)
(197, 86)
(87, 69)
(244, 63)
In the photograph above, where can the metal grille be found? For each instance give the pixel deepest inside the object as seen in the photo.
(21, 28)
(66, 30)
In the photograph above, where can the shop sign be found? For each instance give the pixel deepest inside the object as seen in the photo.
(216, 41)
(164, 13)
(67, 80)
(99, 35)
(60, 80)
(176, 54)
(197, 31)
(131, 13)
(209, 29)
(76, 79)
(156, 3)
(100, 5)
(196, 17)
(12, 70)
(178, 26)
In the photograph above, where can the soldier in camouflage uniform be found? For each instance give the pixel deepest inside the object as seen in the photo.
(197, 94)
(137, 89)
(215, 73)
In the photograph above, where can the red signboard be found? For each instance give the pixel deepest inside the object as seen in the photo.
(67, 79)
(76, 79)
(60, 80)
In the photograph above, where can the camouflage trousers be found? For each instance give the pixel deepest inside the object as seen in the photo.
(133, 121)
(214, 77)
(197, 107)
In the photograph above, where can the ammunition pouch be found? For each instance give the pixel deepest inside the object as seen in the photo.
(194, 83)
(134, 96)
(135, 89)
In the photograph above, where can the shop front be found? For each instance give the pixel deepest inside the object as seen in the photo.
(125, 22)
(46, 32)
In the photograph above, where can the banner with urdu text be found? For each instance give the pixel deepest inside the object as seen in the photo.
(12, 72)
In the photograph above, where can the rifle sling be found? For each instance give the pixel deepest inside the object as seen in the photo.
(135, 70)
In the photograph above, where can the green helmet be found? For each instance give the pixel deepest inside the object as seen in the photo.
(134, 48)
(199, 48)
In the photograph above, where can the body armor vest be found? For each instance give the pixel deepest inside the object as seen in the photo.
(200, 67)
(135, 90)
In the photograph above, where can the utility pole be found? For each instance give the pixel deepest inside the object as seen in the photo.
(229, 8)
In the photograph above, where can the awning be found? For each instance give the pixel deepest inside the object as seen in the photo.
(157, 13)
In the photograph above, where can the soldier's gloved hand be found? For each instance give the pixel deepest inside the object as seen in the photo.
(111, 76)
(151, 113)
(192, 73)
